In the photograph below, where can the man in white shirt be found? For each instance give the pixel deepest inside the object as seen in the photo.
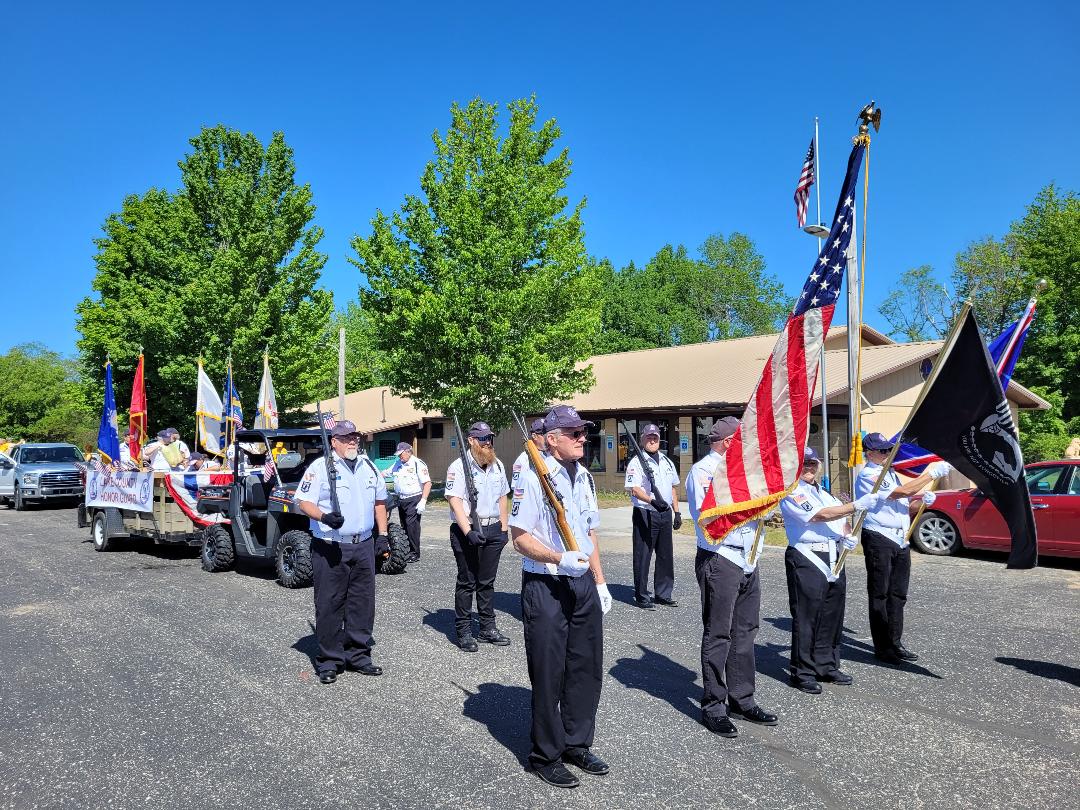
(477, 551)
(730, 603)
(563, 600)
(885, 545)
(412, 485)
(655, 514)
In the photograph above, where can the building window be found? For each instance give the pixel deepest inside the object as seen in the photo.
(435, 429)
(387, 448)
(421, 432)
(668, 440)
(594, 450)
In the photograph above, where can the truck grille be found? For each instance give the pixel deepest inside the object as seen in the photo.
(60, 479)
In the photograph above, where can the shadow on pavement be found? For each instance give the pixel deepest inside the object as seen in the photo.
(442, 621)
(864, 654)
(1044, 669)
(506, 602)
(621, 593)
(501, 708)
(308, 645)
(657, 675)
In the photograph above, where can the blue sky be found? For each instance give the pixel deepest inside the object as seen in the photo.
(682, 119)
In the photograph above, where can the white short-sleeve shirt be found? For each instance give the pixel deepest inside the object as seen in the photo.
(736, 544)
(891, 519)
(532, 514)
(491, 486)
(357, 489)
(409, 477)
(798, 510)
(663, 472)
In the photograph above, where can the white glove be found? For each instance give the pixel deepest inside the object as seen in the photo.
(928, 498)
(421, 506)
(871, 500)
(574, 561)
(939, 469)
(605, 597)
(850, 542)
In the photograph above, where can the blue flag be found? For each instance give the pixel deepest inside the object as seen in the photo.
(1004, 351)
(108, 439)
(232, 416)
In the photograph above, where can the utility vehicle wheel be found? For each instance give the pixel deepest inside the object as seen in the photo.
(399, 552)
(294, 559)
(102, 541)
(217, 553)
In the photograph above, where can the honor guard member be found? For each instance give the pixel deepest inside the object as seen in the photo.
(563, 599)
(343, 553)
(730, 603)
(816, 531)
(885, 546)
(477, 551)
(412, 483)
(653, 521)
(536, 436)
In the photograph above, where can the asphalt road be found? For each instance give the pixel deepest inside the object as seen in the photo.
(134, 679)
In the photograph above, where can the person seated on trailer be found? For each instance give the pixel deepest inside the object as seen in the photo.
(167, 453)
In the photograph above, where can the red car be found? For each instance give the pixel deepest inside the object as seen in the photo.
(965, 518)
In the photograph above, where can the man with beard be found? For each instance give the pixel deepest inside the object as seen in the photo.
(563, 599)
(885, 545)
(655, 514)
(477, 551)
(343, 553)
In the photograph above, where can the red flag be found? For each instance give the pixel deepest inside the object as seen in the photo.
(764, 461)
(137, 418)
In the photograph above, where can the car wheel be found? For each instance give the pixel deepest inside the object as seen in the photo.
(217, 552)
(102, 541)
(936, 534)
(293, 559)
(20, 504)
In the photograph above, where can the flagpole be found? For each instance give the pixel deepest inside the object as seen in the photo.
(939, 362)
(824, 390)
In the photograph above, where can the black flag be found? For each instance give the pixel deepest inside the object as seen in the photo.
(963, 418)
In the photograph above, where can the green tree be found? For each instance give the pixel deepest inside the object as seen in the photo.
(480, 296)
(227, 263)
(918, 307)
(989, 272)
(677, 299)
(361, 370)
(40, 398)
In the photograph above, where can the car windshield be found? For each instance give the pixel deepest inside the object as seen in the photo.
(46, 455)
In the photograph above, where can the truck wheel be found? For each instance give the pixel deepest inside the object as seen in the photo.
(399, 552)
(294, 559)
(217, 553)
(99, 532)
(20, 504)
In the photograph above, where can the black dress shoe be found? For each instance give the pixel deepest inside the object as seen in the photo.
(556, 774)
(810, 687)
(645, 604)
(720, 725)
(837, 677)
(904, 654)
(586, 760)
(328, 676)
(666, 602)
(756, 715)
(369, 669)
(468, 643)
(493, 636)
(889, 658)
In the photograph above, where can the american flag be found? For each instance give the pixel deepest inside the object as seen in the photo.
(765, 458)
(328, 421)
(269, 467)
(802, 189)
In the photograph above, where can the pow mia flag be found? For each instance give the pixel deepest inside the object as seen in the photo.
(963, 418)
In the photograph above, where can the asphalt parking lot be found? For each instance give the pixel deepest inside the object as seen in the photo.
(134, 679)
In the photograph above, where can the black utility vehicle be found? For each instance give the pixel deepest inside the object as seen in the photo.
(264, 521)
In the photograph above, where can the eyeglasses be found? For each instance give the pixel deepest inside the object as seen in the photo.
(577, 434)
(484, 439)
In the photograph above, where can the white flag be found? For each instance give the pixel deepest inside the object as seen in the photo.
(267, 417)
(208, 415)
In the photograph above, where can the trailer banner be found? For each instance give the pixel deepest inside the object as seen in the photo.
(120, 489)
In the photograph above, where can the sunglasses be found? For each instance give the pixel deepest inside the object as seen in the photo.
(484, 439)
(352, 438)
(576, 434)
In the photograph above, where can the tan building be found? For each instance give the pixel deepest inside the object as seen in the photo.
(682, 389)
